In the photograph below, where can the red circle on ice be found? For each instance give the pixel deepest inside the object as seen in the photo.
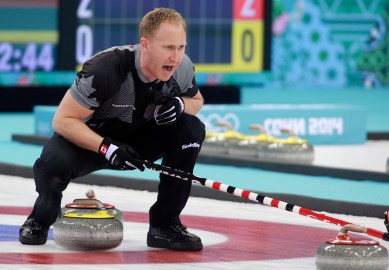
(247, 240)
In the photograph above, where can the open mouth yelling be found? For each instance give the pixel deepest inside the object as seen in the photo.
(167, 69)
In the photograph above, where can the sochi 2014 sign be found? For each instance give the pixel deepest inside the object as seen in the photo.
(319, 124)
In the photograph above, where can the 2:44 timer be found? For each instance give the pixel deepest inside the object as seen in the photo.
(26, 57)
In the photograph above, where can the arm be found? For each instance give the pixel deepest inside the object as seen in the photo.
(68, 123)
(193, 104)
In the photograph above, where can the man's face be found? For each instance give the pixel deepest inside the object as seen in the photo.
(163, 52)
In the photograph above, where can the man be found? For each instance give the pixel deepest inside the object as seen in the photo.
(127, 104)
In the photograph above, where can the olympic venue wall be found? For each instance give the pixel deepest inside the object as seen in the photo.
(323, 116)
(320, 124)
(373, 101)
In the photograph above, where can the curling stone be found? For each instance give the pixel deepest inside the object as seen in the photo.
(89, 224)
(287, 150)
(343, 253)
(290, 149)
(217, 143)
(249, 145)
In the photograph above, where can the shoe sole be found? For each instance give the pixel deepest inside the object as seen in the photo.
(29, 241)
(165, 243)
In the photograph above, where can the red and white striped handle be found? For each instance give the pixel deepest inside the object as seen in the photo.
(256, 197)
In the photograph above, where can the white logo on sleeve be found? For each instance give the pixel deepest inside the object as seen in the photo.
(195, 145)
(123, 106)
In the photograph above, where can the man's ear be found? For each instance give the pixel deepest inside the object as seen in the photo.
(144, 43)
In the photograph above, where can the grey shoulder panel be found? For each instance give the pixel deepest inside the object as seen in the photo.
(81, 89)
(184, 74)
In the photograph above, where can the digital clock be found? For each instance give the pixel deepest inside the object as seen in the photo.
(26, 57)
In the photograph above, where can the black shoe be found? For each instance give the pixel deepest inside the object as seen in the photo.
(174, 237)
(32, 233)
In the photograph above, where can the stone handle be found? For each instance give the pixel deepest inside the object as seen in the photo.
(88, 202)
(352, 228)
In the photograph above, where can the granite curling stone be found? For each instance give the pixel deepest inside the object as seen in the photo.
(343, 253)
(89, 224)
(217, 143)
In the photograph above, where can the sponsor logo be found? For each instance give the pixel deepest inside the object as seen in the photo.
(195, 145)
(123, 106)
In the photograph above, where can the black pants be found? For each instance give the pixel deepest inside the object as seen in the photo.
(62, 161)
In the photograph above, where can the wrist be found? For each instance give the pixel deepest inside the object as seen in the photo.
(107, 148)
(181, 102)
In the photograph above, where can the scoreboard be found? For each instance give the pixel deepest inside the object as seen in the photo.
(26, 42)
(228, 36)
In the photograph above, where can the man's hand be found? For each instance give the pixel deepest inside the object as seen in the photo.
(120, 157)
(170, 112)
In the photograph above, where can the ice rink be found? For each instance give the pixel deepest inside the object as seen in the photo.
(235, 235)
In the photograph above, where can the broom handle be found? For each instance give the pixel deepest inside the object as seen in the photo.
(257, 197)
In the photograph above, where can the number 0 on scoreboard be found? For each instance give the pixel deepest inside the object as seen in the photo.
(247, 39)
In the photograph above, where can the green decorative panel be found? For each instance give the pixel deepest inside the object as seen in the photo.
(330, 43)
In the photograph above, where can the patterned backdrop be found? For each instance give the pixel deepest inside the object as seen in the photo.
(330, 43)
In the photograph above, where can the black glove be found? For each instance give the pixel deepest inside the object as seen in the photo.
(170, 112)
(120, 156)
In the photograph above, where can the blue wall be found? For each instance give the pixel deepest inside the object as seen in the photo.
(376, 102)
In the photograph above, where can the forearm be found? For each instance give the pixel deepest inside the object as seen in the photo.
(77, 132)
(194, 104)
(68, 123)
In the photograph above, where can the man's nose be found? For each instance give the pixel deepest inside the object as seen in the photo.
(175, 55)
